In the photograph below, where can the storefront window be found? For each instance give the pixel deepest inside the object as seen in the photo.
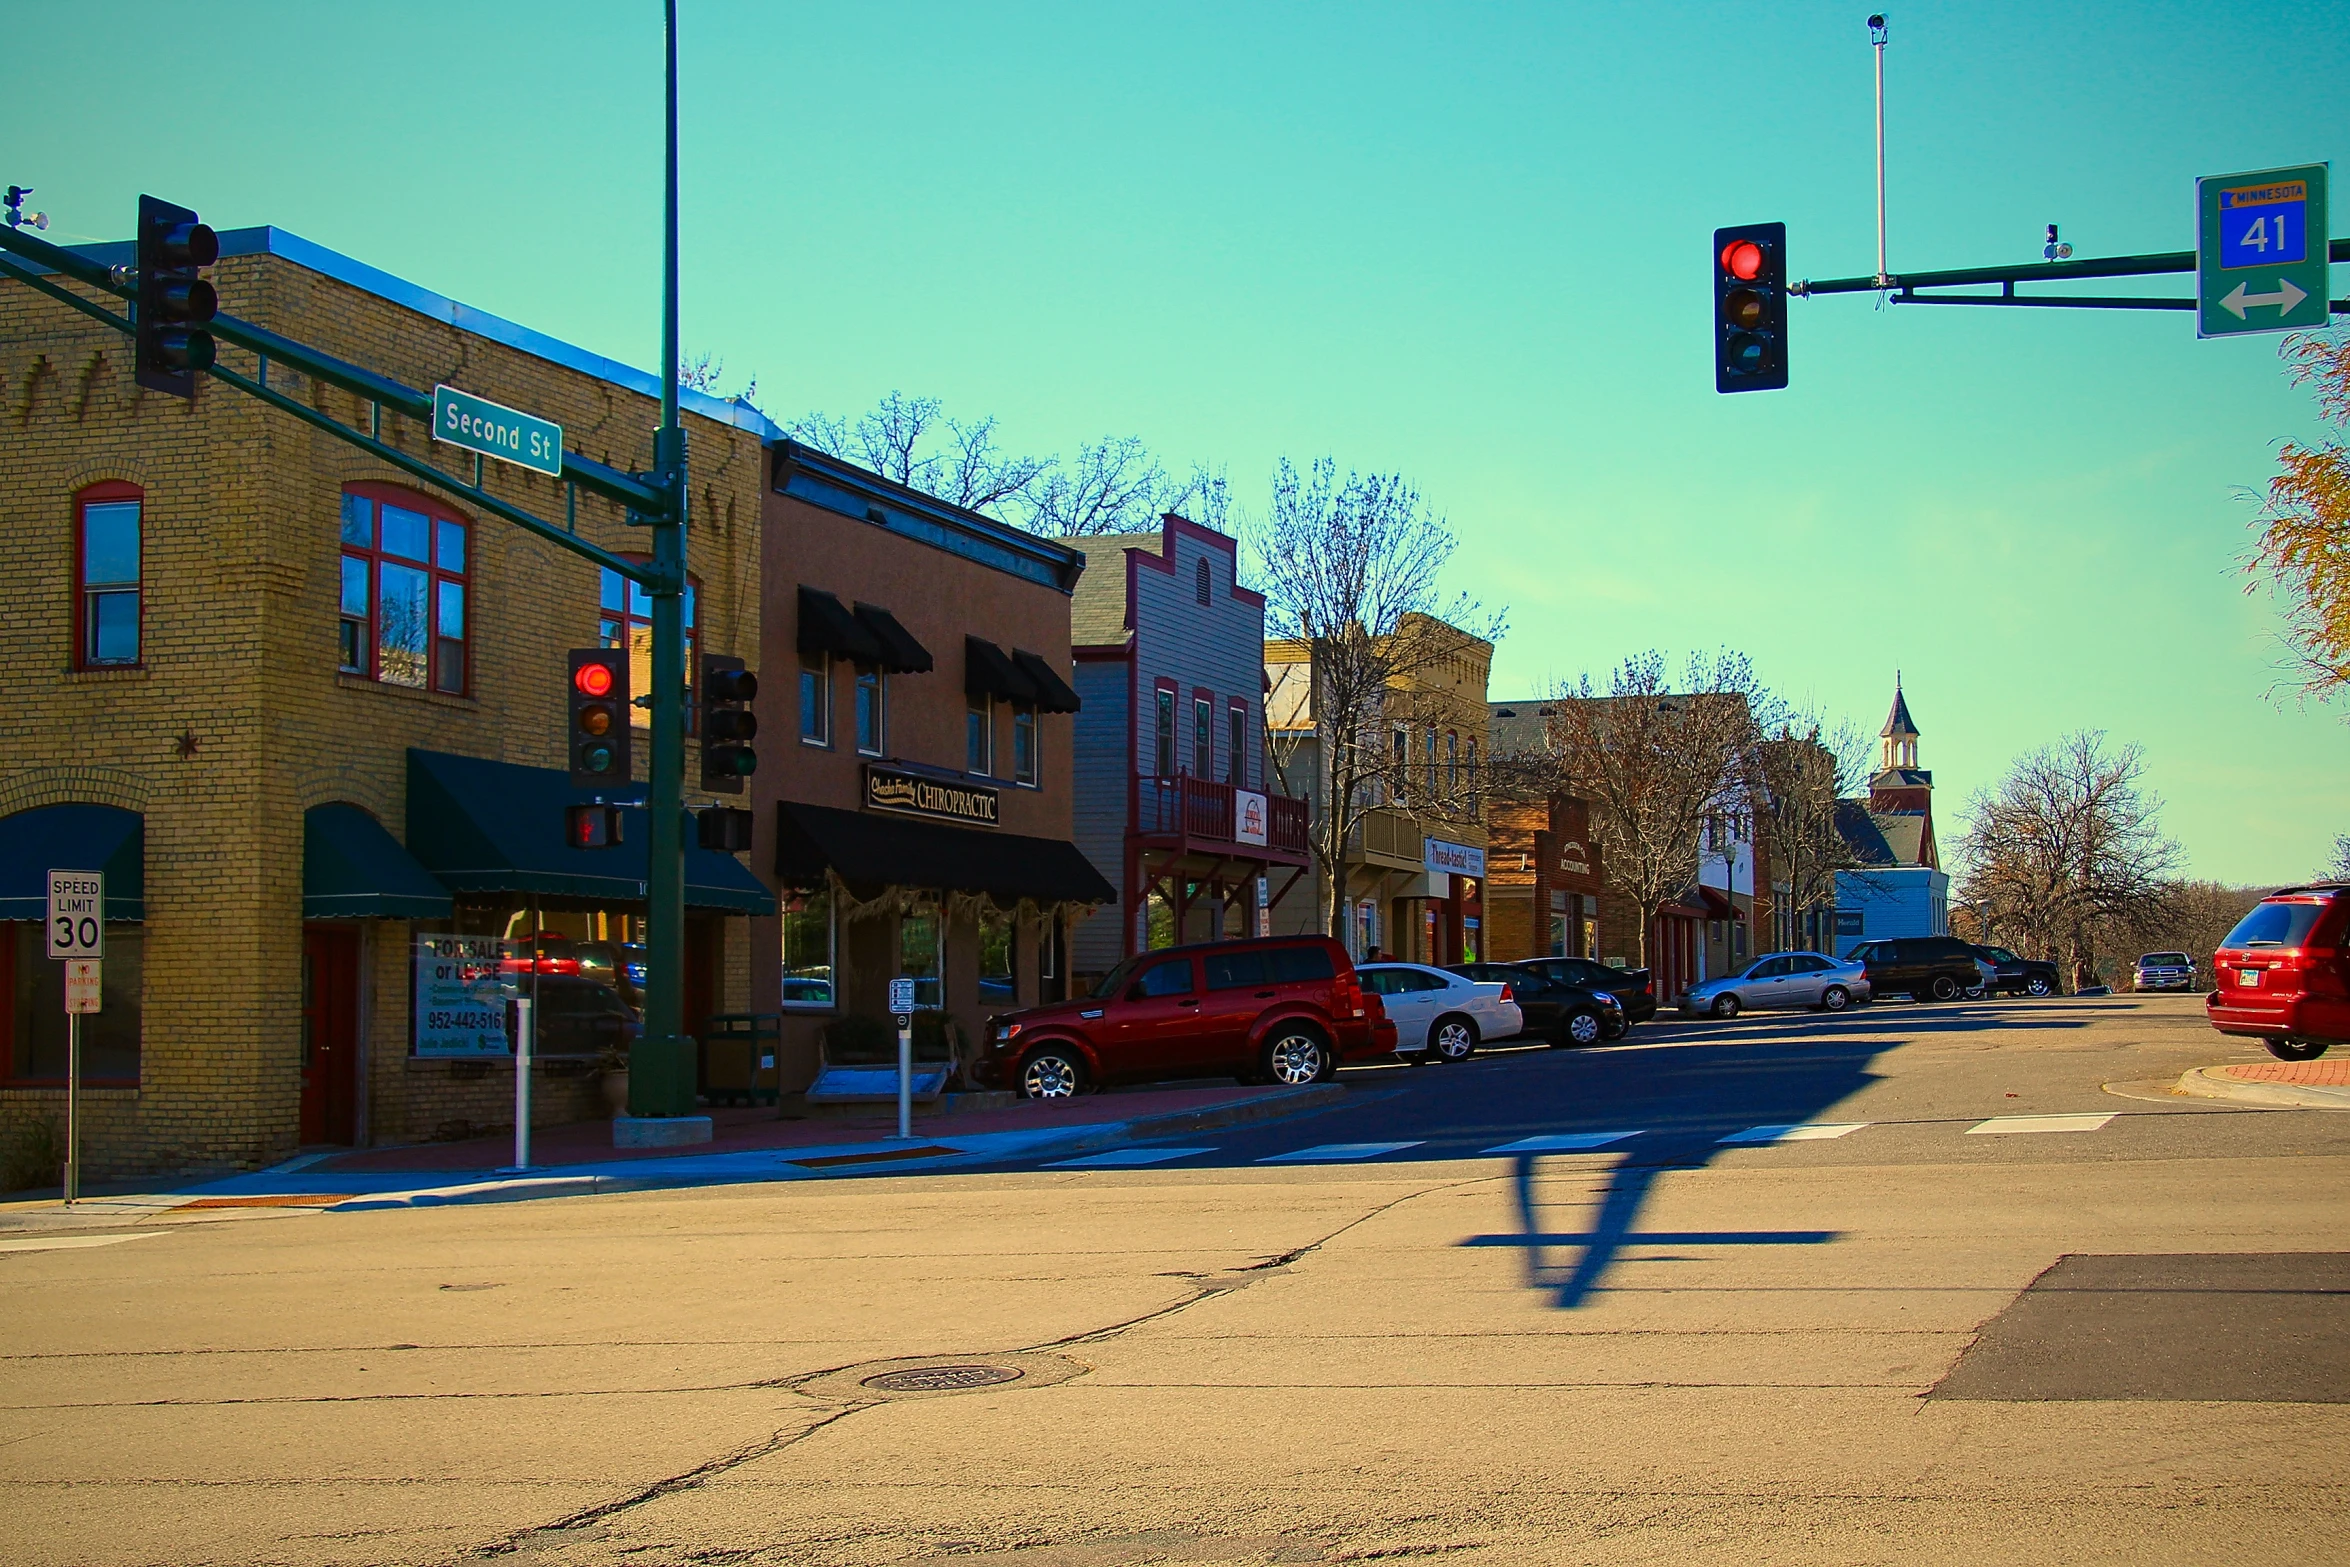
(1024, 768)
(816, 698)
(997, 986)
(585, 968)
(808, 935)
(979, 734)
(404, 582)
(921, 954)
(35, 1020)
(872, 712)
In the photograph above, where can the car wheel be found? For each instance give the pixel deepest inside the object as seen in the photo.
(1452, 1038)
(2038, 985)
(2296, 1049)
(1580, 1027)
(1052, 1073)
(1943, 988)
(1294, 1057)
(1835, 999)
(1976, 992)
(1614, 1030)
(1725, 1006)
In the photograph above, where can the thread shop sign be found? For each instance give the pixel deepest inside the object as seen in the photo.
(462, 986)
(910, 794)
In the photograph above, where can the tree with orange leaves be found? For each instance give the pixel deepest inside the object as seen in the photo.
(2304, 548)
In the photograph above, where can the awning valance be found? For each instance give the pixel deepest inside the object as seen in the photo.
(826, 626)
(872, 852)
(1053, 694)
(481, 826)
(988, 672)
(900, 653)
(353, 868)
(72, 838)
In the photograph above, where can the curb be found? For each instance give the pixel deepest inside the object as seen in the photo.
(1174, 1123)
(2205, 1082)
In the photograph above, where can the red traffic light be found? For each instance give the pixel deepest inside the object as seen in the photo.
(1743, 260)
(593, 679)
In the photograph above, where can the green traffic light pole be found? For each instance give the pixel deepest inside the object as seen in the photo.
(1902, 287)
(661, 1076)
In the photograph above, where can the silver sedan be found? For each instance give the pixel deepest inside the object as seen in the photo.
(1784, 979)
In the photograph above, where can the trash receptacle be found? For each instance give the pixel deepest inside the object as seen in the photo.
(738, 1057)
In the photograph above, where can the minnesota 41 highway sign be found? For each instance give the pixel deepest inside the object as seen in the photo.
(2260, 251)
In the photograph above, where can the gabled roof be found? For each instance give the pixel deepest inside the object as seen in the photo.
(1857, 825)
(1898, 721)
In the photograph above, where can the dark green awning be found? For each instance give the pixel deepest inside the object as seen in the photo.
(481, 826)
(352, 868)
(72, 838)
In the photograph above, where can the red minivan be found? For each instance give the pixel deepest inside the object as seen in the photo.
(2284, 972)
(1280, 1009)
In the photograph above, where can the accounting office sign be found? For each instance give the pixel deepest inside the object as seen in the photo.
(910, 794)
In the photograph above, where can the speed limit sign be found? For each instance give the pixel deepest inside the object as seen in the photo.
(77, 914)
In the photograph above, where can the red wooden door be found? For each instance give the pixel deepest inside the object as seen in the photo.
(330, 1034)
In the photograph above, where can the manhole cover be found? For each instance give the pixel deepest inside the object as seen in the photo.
(941, 1379)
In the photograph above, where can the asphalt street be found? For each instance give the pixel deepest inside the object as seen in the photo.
(1909, 1284)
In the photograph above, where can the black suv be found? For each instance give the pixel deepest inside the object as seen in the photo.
(1561, 1013)
(1930, 968)
(1630, 986)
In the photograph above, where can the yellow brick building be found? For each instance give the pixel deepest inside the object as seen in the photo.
(229, 659)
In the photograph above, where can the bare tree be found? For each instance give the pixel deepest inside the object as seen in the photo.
(2190, 916)
(1805, 775)
(911, 441)
(1114, 486)
(1350, 566)
(2069, 843)
(2304, 547)
(701, 372)
(1659, 763)
(2340, 869)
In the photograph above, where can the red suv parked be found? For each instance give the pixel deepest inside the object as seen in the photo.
(1284, 1009)
(2284, 972)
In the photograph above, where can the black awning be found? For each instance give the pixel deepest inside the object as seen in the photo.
(481, 826)
(1053, 694)
(988, 672)
(352, 868)
(900, 653)
(826, 626)
(102, 838)
(871, 852)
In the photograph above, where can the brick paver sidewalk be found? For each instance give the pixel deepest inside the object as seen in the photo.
(2303, 1074)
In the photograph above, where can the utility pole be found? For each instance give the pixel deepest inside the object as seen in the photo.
(1877, 42)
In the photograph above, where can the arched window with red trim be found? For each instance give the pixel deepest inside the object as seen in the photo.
(406, 577)
(108, 551)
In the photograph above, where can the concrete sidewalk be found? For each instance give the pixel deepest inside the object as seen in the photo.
(751, 1146)
(2306, 1085)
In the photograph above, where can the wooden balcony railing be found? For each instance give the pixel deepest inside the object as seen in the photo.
(1204, 810)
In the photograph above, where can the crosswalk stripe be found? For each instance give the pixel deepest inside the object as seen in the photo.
(1564, 1142)
(1336, 1151)
(1999, 1124)
(1800, 1132)
(1117, 1158)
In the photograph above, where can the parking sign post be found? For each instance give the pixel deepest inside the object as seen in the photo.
(901, 1002)
(77, 935)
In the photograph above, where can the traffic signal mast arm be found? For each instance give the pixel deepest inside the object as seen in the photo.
(638, 496)
(1902, 285)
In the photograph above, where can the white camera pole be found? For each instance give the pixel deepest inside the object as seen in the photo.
(1877, 42)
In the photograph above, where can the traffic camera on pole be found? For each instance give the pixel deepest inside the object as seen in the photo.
(598, 693)
(171, 347)
(728, 724)
(1750, 308)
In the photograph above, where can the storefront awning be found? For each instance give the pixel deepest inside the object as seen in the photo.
(826, 626)
(871, 852)
(480, 826)
(900, 653)
(72, 838)
(1053, 694)
(352, 868)
(987, 672)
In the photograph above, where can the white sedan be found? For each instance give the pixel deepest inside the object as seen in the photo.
(1440, 1016)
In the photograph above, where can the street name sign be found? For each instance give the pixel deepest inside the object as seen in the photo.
(77, 914)
(508, 434)
(2260, 251)
(84, 985)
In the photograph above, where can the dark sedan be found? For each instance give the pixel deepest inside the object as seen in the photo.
(1561, 1013)
(1630, 986)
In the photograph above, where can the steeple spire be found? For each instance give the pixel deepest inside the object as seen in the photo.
(1900, 734)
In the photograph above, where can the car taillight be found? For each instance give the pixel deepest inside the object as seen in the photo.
(1508, 994)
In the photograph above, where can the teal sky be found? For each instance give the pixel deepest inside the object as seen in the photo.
(1466, 242)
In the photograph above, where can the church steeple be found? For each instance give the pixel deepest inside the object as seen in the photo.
(1899, 737)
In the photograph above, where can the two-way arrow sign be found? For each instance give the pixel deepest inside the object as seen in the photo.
(2285, 298)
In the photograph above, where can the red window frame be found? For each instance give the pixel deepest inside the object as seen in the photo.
(617, 599)
(106, 492)
(1203, 733)
(438, 579)
(1164, 729)
(1236, 736)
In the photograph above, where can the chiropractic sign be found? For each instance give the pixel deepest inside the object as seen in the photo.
(911, 794)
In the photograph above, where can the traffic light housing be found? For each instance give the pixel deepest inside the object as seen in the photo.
(728, 724)
(598, 697)
(170, 347)
(1750, 308)
(591, 826)
(723, 828)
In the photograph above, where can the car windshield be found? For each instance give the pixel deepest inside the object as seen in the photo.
(2275, 925)
(2164, 960)
(1115, 980)
(2002, 955)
